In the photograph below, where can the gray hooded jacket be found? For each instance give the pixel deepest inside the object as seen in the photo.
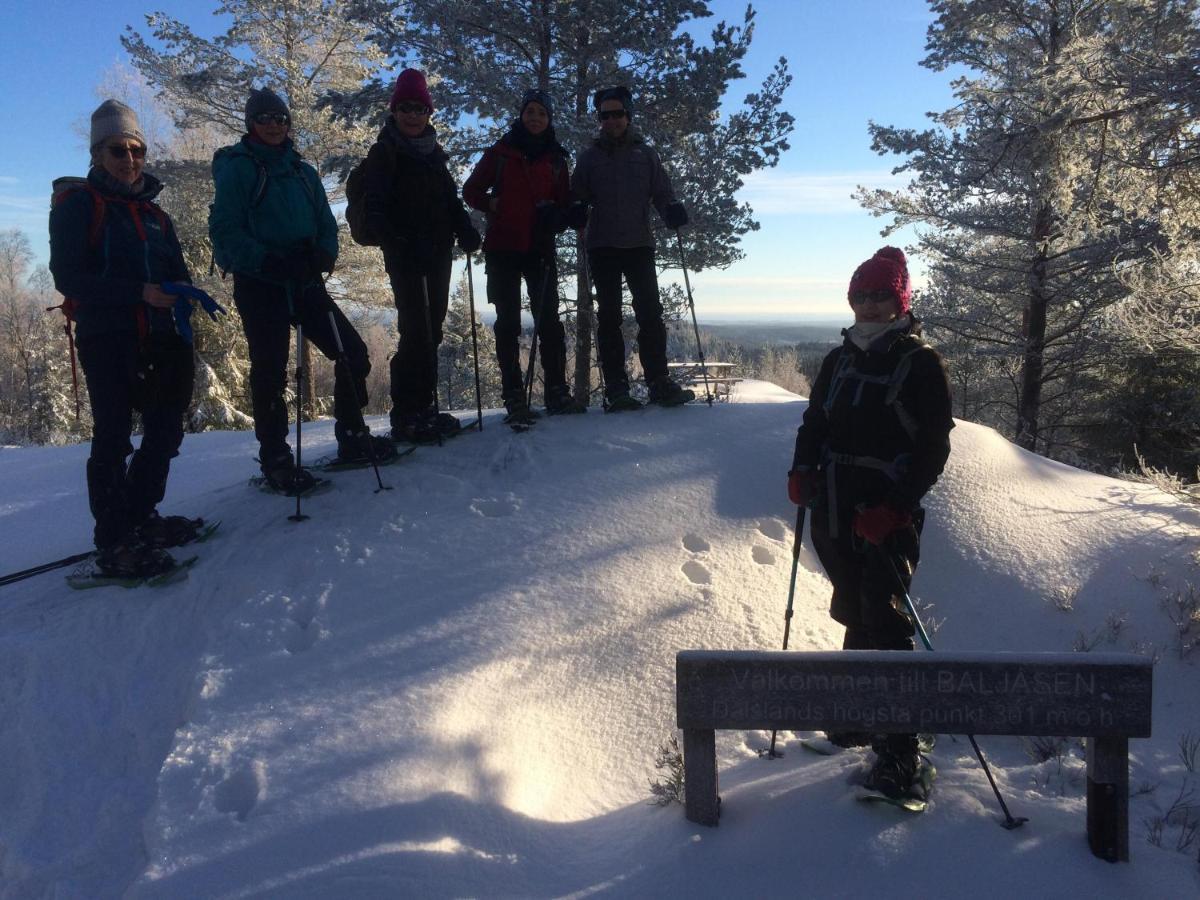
(620, 179)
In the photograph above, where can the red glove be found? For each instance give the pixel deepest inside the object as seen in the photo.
(875, 523)
(802, 486)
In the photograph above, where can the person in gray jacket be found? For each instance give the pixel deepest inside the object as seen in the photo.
(619, 177)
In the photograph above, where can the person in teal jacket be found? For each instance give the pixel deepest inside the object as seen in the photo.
(271, 226)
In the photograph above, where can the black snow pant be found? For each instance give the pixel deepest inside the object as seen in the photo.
(414, 367)
(636, 265)
(267, 314)
(154, 376)
(505, 271)
(866, 598)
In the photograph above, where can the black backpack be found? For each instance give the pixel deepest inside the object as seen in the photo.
(356, 207)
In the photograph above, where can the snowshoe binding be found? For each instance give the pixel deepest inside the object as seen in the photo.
(130, 564)
(363, 448)
(163, 532)
(903, 780)
(281, 475)
(520, 417)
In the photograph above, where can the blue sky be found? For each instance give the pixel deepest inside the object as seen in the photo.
(853, 61)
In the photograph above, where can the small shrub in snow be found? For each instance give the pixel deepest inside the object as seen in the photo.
(1189, 750)
(1043, 748)
(667, 787)
(1182, 607)
(1183, 816)
(1063, 598)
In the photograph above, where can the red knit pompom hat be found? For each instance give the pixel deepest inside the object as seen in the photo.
(411, 86)
(887, 270)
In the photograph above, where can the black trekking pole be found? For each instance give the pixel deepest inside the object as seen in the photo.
(797, 541)
(537, 317)
(695, 325)
(1010, 822)
(298, 516)
(14, 577)
(433, 355)
(345, 361)
(474, 344)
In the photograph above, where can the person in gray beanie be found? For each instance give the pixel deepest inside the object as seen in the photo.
(115, 257)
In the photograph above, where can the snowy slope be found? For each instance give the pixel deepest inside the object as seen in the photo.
(456, 688)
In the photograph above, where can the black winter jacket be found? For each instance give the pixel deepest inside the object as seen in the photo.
(878, 423)
(104, 271)
(411, 195)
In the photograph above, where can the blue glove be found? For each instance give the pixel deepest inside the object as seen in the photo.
(186, 293)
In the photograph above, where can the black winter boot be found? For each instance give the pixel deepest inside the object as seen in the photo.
(894, 774)
(284, 476)
(519, 413)
(168, 531)
(665, 392)
(559, 402)
(363, 447)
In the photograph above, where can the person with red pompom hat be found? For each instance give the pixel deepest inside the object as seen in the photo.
(874, 439)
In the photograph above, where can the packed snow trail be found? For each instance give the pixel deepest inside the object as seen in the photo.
(458, 687)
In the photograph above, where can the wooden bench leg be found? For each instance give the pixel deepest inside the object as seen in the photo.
(1108, 797)
(700, 801)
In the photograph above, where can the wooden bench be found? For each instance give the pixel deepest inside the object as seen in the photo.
(1103, 697)
(720, 376)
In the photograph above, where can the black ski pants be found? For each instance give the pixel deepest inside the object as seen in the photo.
(505, 271)
(866, 598)
(636, 264)
(268, 312)
(154, 376)
(419, 320)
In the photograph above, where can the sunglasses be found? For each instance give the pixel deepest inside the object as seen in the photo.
(873, 297)
(116, 151)
(272, 119)
(412, 108)
(612, 114)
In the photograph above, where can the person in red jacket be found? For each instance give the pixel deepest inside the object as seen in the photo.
(522, 184)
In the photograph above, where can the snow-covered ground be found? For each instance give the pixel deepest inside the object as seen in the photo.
(458, 687)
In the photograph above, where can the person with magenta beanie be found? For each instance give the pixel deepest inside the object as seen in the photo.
(413, 210)
(874, 439)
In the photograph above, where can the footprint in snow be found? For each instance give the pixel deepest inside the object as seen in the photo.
(697, 572)
(298, 638)
(497, 508)
(774, 529)
(240, 791)
(695, 543)
(762, 555)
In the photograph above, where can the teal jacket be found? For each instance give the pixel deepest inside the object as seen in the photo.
(268, 200)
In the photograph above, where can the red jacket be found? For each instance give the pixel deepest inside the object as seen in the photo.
(520, 185)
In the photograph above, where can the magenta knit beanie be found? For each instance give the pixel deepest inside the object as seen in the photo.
(887, 270)
(411, 86)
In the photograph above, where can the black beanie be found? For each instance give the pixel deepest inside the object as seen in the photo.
(264, 101)
(533, 95)
(620, 92)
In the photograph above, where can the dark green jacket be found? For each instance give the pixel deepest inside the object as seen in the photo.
(268, 200)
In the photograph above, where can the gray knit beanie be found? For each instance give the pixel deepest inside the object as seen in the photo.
(113, 118)
(264, 101)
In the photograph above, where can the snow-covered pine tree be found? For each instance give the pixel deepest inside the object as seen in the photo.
(456, 358)
(1037, 192)
(485, 53)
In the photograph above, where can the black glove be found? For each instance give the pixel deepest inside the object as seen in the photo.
(323, 261)
(469, 239)
(549, 219)
(278, 268)
(576, 216)
(675, 216)
(418, 252)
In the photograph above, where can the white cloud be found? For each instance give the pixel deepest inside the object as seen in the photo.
(827, 193)
(9, 179)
